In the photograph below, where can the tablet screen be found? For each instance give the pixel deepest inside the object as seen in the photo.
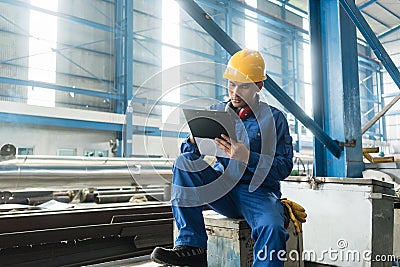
(209, 123)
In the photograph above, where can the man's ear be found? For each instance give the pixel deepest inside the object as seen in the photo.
(260, 85)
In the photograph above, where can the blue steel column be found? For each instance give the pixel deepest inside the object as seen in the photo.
(317, 84)
(118, 60)
(351, 97)
(128, 82)
(335, 84)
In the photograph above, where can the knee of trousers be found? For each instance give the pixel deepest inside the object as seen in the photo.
(188, 155)
(185, 165)
(274, 230)
(185, 159)
(189, 162)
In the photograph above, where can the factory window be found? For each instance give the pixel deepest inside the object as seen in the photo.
(66, 152)
(25, 151)
(251, 28)
(42, 58)
(170, 58)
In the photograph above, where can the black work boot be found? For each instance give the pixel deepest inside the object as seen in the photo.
(180, 256)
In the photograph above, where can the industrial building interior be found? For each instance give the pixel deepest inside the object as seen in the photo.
(91, 99)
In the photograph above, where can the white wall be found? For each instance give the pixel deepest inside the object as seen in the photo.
(46, 140)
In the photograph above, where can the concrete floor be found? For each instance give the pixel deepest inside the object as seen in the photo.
(143, 261)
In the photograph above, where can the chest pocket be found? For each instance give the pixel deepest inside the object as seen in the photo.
(255, 140)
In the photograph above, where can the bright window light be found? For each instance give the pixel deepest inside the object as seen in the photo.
(308, 98)
(170, 58)
(42, 60)
(307, 74)
(307, 79)
(251, 28)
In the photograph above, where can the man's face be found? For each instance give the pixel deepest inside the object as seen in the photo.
(242, 94)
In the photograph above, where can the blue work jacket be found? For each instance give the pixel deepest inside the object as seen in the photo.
(266, 134)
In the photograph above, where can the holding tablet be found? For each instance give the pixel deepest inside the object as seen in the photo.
(206, 125)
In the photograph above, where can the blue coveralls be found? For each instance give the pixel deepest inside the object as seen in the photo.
(261, 208)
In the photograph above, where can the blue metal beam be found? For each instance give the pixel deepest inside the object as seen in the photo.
(128, 72)
(119, 65)
(59, 88)
(206, 22)
(63, 46)
(19, 99)
(60, 15)
(154, 131)
(372, 40)
(40, 120)
(370, 62)
(390, 31)
(300, 11)
(90, 125)
(389, 95)
(335, 87)
(351, 117)
(142, 38)
(221, 8)
(118, 55)
(393, 113)
(67, 74)
(320, 168)
(366, 4)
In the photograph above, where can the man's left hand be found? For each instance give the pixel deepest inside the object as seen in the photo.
(234, 149)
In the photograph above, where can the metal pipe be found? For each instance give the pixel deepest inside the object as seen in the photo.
(41, 200)
(100, 199)
(92, 159)
(130, 192)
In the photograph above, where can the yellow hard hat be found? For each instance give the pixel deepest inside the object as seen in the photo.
(246, 66)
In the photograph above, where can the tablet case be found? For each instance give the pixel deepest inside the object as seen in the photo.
(210, 123)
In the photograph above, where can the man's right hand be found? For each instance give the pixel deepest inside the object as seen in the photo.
(191, 139)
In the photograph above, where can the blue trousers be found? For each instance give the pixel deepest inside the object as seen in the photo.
(262, 210)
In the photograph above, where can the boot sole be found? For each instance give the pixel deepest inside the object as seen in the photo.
(154, 259)
(165, 263)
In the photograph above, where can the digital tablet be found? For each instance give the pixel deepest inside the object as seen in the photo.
(210, 123)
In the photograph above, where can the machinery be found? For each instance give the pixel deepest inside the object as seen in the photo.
(72, 211)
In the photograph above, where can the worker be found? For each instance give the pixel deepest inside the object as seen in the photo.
(249, 176)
